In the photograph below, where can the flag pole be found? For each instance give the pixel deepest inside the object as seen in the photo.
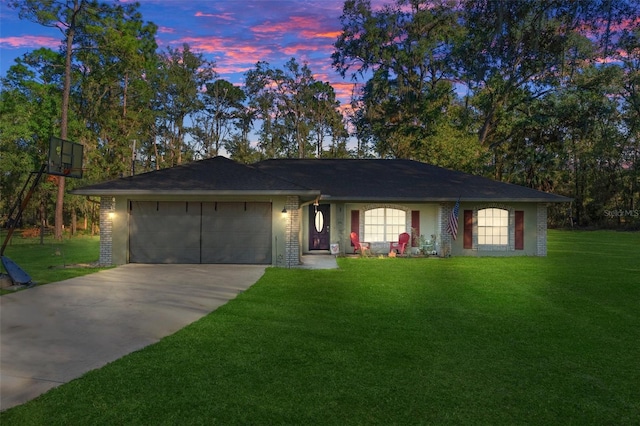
(452, 224)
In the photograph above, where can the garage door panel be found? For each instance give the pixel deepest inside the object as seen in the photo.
(236, 232)
(164, 232)
(194, 232)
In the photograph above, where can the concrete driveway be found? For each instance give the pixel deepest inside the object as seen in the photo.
(53, 334)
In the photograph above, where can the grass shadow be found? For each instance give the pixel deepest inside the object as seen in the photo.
(391, 341)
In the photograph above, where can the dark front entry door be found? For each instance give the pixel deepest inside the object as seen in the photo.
(319, 227)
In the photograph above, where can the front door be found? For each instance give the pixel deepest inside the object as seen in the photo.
(319, 227)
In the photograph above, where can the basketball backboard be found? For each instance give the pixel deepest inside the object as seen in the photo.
(65, 158)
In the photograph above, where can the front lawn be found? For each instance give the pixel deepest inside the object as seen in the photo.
(54, 260)
(525, 340)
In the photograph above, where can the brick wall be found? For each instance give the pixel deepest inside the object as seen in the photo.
(445, 238)
(292, 232)
(541, 232)
(107, 206)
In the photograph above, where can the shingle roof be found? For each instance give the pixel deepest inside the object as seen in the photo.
(332, 179)
(402, 180)
(217, 175)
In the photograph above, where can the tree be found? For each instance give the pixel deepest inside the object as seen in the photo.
(117, 51)
(325, 120)
(223, 107)
(29, 111)
(628, 54)
(404, 52)
(593, 141)
(238, 146)
(262, 106)
(294, 108)
(291, 86)
(517, 52)
(509, 57)
(65, 16)
(180, 78)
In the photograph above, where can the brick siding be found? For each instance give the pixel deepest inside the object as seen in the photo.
(292, 230)
(445, 237)
(541, 231)
(107, 205)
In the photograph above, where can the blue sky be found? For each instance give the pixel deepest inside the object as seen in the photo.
(233, 33)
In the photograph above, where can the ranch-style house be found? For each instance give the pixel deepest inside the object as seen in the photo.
(274, 211)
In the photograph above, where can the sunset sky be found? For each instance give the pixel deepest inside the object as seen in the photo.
(234, 33)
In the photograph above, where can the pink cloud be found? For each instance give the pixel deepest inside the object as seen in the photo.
(27, 41)
(166, 30)
(221, 46)
(243, 53)
(343, 92)
(239, 61)
(223, 16)
(202, 14)
(204, 44)
(294, 23)
(306, 26)
(624, 24)
(324, 72)
(231, 56)
(239, 34)
(329, 34)
(225, 68)
(295, 49)
(313, 35)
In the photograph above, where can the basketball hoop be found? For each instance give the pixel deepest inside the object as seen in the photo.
(65, 158)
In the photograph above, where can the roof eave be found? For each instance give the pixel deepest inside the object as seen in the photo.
(560, 199)
(171, 192)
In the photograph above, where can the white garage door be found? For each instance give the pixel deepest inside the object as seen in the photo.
(195, 232)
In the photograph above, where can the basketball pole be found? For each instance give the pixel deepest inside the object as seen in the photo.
(14, 222)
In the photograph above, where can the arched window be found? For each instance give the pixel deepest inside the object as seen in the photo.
(384, 224)
(493, 227)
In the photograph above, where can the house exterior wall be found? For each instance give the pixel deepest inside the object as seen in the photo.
(114, 227)
(290, 232)
(338, 226)
(541, 248)
(107, 216)
(535, 225)
(120, 254)
(292, 250)
(446, 241)
(341, 223)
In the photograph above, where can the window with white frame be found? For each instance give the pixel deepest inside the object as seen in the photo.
(384, 224)
(493, 227)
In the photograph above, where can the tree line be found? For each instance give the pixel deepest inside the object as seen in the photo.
(542, 93)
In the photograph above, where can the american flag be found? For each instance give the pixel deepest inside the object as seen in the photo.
(452, 226)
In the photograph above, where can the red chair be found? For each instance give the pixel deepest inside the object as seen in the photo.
(357, 245)
(401, 244)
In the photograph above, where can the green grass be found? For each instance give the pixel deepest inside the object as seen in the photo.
(525, 340)
(54, 260)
